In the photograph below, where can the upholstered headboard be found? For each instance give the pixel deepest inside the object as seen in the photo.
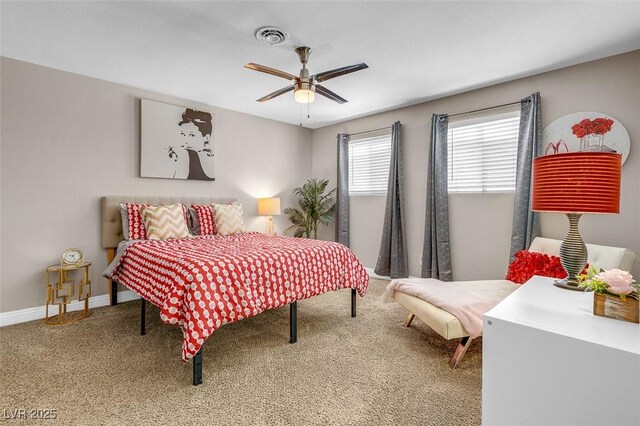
(604, 257)
(112, 221)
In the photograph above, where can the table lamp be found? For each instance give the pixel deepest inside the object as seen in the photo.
(575, 183)
(269, 207)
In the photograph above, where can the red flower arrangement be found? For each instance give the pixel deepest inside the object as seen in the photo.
(528, 263)
(598, 126)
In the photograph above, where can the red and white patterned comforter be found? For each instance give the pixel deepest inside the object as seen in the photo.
(204, 282)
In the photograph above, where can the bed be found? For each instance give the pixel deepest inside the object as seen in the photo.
(204, 282)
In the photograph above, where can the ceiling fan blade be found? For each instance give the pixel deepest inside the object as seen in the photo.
(271, 71)
(276, 93)
(321, 90)
(324, 76)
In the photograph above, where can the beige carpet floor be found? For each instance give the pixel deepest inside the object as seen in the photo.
(368, 370)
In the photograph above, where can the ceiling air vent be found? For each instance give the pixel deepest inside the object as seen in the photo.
(271, 35)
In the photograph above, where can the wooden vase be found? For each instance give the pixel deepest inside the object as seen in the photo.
(607, 305)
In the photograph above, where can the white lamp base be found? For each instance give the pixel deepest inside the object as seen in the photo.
(269, 229)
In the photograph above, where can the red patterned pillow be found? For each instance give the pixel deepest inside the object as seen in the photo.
(136, 225)
(527, 264)
(206, 221)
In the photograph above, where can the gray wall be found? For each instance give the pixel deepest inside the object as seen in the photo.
(68, 139)
(481, 224)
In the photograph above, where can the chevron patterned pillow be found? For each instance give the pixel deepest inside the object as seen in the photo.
(164, 222)
(228, 219)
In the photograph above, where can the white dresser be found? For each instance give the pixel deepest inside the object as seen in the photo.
(547, 360)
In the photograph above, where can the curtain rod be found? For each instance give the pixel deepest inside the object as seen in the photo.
(448, 115)
(486, 109)
(369, 131)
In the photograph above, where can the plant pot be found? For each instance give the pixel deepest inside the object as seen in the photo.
(606, 305)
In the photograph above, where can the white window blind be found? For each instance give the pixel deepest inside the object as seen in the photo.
(369, 159)
(482, 154)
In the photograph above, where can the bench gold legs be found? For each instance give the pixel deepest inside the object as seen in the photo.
(410, 318)
(460, 351)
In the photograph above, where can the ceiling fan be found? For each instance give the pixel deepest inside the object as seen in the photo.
(305, 86)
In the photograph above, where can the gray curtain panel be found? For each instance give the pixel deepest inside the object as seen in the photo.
(526, 224)
(436, 253)
(392, 258)
(342, 198)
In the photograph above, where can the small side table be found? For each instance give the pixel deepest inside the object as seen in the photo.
(60, 293)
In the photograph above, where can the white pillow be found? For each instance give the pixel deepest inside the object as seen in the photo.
(165, 222)
(228, 218)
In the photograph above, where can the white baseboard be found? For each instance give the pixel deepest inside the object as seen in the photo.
(372, 274)
(31, 314)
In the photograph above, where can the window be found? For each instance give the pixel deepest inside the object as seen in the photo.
(481, 154)
(369, 159)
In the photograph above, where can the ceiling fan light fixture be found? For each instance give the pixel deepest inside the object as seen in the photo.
(304, 85)
(304, 96)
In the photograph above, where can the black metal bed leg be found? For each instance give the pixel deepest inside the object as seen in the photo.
(197, 368)
(353, 303)
(143, 306)
(114, 293)
(293, 322)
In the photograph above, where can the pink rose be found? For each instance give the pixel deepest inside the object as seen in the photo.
(619, 282)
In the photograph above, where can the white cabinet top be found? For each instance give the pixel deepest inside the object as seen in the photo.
(539, 304)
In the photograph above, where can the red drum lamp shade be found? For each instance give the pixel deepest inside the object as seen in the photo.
(575, 183)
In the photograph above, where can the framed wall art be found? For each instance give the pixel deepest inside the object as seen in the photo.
(586, 131)
(176, 142)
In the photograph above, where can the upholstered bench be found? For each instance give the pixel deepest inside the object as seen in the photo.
(449, 327)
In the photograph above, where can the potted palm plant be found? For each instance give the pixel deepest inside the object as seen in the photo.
(315, 207)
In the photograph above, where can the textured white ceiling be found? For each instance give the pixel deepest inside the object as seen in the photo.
(416, 51)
